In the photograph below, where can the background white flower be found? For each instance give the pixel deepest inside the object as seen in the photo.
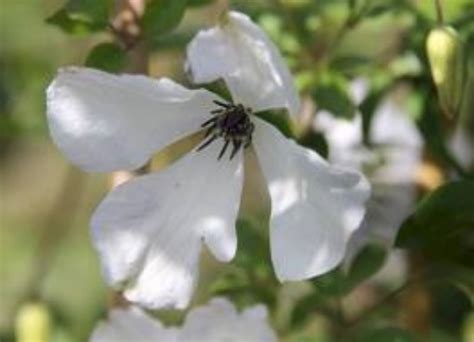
(390, 164)
(149, 231)
(214, 322)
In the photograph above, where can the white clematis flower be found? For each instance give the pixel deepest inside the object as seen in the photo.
(390, 165)
(149, 231)
(214, 322)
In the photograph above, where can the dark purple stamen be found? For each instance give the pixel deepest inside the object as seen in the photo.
(230, 122)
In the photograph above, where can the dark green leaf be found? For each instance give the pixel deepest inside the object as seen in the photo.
(335, 99)
(443, 224)
(279, 120)
(107, 56)
(315, 141)
(162, 16)
(68, 25)
(81, 17)
(332, 284)
(94, 12)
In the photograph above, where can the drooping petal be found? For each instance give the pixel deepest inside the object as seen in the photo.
(104, 122)
(239, 52)
(149, 231)
(132, 324)
(315, 207)
(219, 321)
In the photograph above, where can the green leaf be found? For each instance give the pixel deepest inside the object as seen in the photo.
(94, 12)
(63, 21)
(334, 100)
(81, 17)
(278, 119)
(442, 226)
(315, 141)
(332, 284)
(108, 57)
(162, 16)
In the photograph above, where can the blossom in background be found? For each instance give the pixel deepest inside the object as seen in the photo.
(149, 231)
(216, 321)
(390, 164)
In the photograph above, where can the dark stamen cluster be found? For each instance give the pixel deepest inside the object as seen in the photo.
(232, 123)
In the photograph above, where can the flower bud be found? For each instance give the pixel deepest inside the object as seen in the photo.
(445, 53)
(33, 323)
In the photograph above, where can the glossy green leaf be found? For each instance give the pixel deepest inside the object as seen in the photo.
(443, 224)
(108, 57)
(162, 16)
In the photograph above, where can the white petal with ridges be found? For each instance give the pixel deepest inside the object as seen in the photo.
(104, 122)
(315, 207)
(149, 230)
(239, 52)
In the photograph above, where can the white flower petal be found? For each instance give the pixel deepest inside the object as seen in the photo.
(219, 321)
(242, 54)
(104, 122)
(315, 207)
(390, 164)
(130, 325)
(149, 230)
(215, 322)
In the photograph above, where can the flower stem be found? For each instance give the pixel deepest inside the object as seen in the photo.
(439, 12)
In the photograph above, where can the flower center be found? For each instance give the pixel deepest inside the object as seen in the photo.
(230, 122)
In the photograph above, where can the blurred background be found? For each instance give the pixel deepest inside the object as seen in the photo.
(336, 50)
